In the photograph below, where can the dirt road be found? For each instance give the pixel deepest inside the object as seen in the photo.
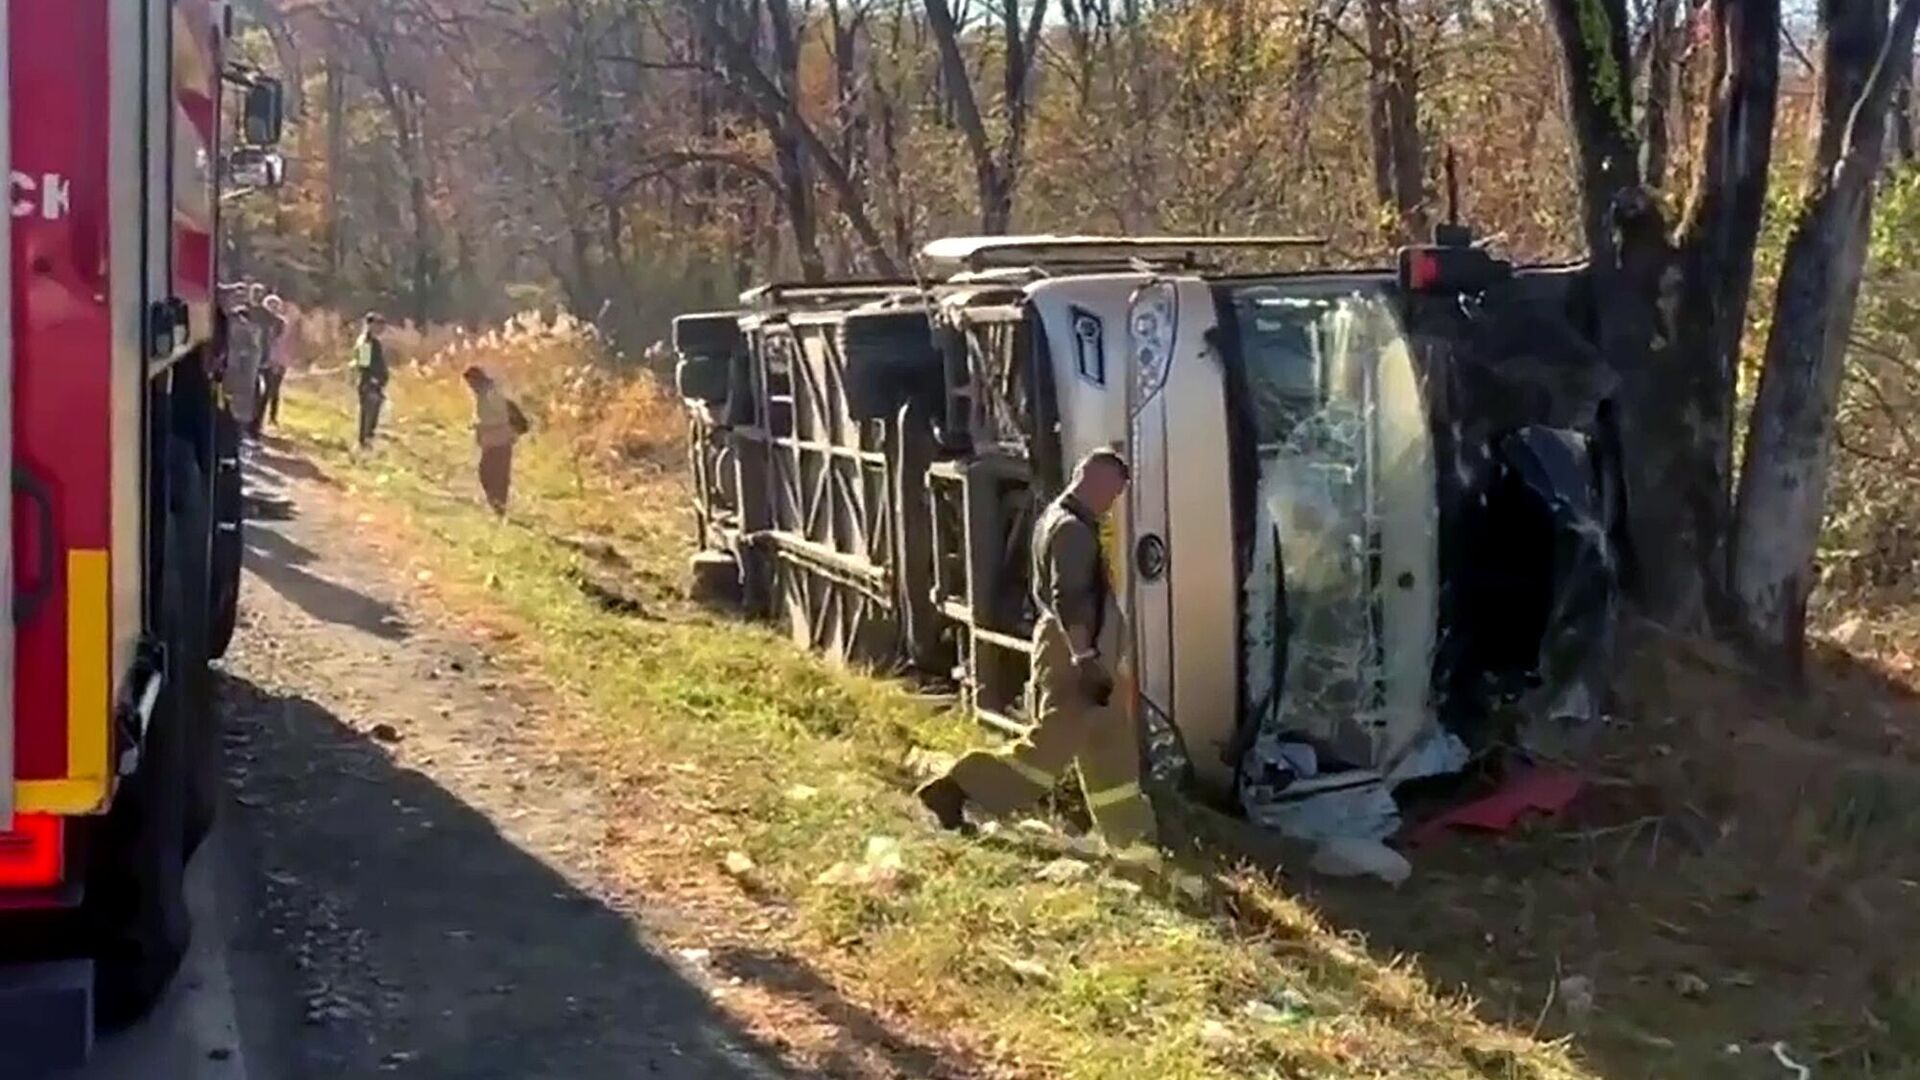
(417, 883)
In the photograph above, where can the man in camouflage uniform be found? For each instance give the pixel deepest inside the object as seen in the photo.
(1077, 650)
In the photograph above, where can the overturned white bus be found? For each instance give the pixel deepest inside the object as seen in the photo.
(1373, 522)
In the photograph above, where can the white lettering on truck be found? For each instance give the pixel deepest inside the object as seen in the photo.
(47, 195)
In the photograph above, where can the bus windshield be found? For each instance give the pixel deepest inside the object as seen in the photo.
(1338, 603)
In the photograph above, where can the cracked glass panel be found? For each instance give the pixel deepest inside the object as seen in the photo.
(1338, 632)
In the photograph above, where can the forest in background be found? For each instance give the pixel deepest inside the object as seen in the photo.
(459, 161)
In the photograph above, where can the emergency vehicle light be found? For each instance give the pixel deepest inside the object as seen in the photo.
(1460, 268)
(32, 856)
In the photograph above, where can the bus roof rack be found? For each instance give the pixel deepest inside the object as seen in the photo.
(974, 253)
(789, 294)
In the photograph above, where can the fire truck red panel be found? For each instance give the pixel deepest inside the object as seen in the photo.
(62, 419)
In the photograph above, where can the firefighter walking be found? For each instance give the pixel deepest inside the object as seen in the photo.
(1077, 651)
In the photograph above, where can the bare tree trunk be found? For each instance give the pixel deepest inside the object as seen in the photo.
(424, 285)
(1903, 141)
(772, 104)
(1670, 316)
(1393, 100)
(1789, 442)
(1627, 242)
(1663, 43)
(1716, 255)
(796, 180)
(1852, 32)
(996, 171)
(336, 90)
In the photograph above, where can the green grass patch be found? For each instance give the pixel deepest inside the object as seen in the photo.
(1091, 977)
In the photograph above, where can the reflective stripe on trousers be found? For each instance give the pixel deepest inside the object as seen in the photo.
(1068, 729)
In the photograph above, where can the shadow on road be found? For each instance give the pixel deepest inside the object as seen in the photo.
(273, 455)
(428, 944)
(864, 1038)
(277, 560)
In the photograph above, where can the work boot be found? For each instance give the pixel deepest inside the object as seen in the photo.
(946, 801)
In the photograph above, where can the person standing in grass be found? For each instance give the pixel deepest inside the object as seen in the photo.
(1077, 652)
(370, 374)
(272, 314)
(498, 423)
(246, 341)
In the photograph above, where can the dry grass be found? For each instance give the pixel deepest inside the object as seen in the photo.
(1715, 890)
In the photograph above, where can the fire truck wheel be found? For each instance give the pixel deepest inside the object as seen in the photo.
(135, 900)
(889, 355)
(188, 644)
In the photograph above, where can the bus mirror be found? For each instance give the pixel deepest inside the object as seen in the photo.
(264, 112)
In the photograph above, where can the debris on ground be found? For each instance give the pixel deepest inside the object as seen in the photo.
(1575, 993)
(1292, 789)
(1062, 870)
(1781, 1055)
(1028, 970)
(1353, 856)
(1528, 790)
(924, 764)
(882, 864)
(1689, 985)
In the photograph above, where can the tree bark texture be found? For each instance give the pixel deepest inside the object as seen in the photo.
(996, 170)
(1665, 34)
(1715, 257)
(1903, 139)
(1789, 441)
(1393, 104)
(1670, 312)
(742, 68)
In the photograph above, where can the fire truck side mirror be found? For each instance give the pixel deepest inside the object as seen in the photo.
(250, 168)
(264, 112)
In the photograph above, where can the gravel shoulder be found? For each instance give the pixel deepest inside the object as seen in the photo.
(425, 873)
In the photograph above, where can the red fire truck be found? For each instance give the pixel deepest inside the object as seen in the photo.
(124, 124)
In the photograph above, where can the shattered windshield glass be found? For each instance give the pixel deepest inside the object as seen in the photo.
(1338, 603)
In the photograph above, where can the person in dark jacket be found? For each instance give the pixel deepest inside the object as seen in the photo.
(370, 374)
